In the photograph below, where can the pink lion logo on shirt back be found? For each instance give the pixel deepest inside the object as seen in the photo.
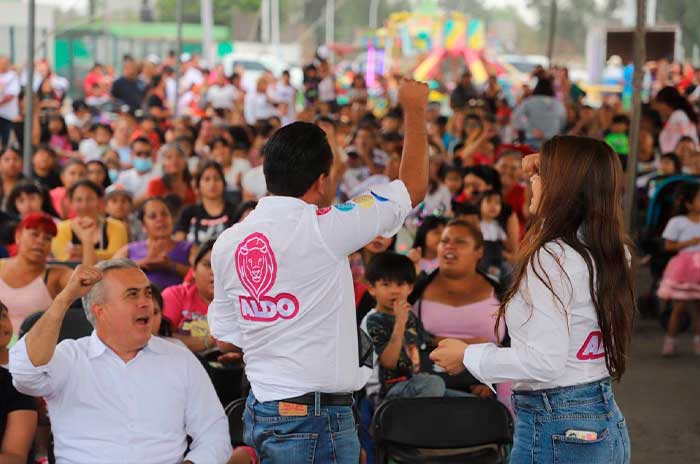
(256, 267)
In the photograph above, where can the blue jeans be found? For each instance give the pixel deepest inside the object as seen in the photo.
(543, 417)
(325, 435)
(5, 130)
(422, 385)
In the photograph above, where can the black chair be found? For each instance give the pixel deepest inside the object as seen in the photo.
(442, 430)
(74, 326)
(228, 379)
(70, 264)
(234, 412)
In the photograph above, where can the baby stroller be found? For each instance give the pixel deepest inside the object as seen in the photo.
(661, 208)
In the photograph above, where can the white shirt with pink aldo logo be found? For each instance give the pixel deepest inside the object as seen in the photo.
(551, 346)
(283, 290)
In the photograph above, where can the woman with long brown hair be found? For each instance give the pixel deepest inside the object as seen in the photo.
(569, 312)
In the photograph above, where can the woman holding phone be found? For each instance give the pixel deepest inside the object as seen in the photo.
(569, 312)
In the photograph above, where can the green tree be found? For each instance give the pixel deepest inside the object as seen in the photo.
(191, 10)
(353, 16)
(573, 19)
(473, 8)
(684, 13)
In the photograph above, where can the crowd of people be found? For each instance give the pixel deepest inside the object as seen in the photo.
(136, 174)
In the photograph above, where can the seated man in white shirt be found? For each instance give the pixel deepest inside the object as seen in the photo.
(119, 395)
(283, 289)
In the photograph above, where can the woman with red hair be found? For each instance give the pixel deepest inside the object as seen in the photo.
(27, 282)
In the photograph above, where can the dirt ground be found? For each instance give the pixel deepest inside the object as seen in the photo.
(660, 399)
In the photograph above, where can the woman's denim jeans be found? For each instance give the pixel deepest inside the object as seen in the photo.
(543, 417)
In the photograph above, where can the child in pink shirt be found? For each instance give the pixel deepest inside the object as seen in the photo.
(186, 305)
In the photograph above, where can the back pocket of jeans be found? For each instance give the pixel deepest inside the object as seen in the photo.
(289, 447)
(569, 450)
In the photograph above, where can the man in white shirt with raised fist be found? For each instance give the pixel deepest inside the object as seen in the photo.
(283, 289)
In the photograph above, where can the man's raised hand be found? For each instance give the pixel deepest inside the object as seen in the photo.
(413, 95)
(81, 281)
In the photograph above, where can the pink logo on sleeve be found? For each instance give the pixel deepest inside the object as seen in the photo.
(592, 348)
(257, 269)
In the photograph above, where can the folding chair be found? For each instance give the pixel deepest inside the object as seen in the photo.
(234, 412)
(442, 430)
(228, 379)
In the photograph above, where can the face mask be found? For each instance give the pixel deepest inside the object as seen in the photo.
(143, 164)
(113, 174)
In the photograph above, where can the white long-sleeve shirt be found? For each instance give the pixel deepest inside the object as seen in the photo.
(105, 411)
(283, 290)
(9, 86)
(551, 346)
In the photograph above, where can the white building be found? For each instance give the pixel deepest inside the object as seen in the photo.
(13, 30)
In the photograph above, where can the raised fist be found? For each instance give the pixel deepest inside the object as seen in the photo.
(531, 164)
(413, 95)
(81, 281)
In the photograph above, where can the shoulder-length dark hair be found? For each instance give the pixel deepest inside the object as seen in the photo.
(686, 193)
(429, 223)
(45, 136)
(675, 100)
(544, 87)
(580, 207)
(42, 94)
(107, 181)
(210, 164)
(30, 188)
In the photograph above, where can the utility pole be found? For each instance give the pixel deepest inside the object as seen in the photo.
(330, 21)
(265, 21)
(639, 58)
(275, 20)
(178, 57)
(207, 15)
(552, 31)
(373, 14)
(27, 148)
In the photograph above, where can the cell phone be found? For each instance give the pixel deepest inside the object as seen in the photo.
(438, 369)
(585, 435)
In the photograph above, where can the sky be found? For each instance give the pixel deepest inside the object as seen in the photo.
(520, 5)
(526, 13)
